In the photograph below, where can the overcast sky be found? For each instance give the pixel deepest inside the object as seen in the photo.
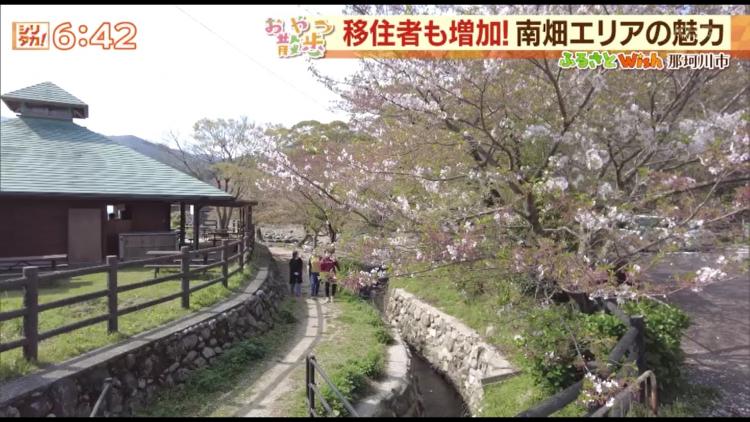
(180, 71)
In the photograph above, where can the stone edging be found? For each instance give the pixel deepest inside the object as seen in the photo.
(449, 345)
(395, 394)
(160, 357)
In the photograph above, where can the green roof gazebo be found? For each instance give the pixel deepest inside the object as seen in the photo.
(58, 180)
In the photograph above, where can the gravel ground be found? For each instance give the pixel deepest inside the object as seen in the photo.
(717, 344)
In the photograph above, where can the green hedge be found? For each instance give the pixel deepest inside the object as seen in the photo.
(557, 336)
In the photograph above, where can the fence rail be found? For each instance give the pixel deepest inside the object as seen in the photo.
(103, 396)
(631, 343)
(31, 277)
(311, 366)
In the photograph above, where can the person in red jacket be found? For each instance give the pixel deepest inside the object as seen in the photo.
(328, 268)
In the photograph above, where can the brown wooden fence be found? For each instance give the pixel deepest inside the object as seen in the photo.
(632, 344)
(230, 252)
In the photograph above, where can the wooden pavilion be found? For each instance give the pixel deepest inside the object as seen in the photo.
(67, 190)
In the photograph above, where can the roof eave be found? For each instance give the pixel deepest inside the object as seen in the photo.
(202, 199)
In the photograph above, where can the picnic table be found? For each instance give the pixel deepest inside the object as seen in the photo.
(177, 261)
(218, 235)
(15, 261)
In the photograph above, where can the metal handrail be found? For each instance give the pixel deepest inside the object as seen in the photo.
(311, 365)
(105, 390)
(624, 397)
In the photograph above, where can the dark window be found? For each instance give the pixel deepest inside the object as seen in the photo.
(119, 212)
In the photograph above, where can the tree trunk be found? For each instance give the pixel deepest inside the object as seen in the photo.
(331, 232)
(225, 214)
(302, 242)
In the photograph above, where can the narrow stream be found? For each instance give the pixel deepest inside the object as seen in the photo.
(439, 398)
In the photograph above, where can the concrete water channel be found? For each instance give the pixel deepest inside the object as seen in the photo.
(437, 394)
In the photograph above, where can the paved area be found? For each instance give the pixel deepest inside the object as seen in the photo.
(717, 344)
(263, 396)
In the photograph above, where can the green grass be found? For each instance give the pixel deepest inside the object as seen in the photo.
(65, 346)
(501, 309)
(689, 400)
(352, 351)
(204, 392)
(517, 394)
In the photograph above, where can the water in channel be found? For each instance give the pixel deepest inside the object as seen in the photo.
(439, 397)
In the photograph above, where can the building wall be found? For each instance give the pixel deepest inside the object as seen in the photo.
(40, 226)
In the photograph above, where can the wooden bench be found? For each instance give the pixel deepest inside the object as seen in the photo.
(20, 261)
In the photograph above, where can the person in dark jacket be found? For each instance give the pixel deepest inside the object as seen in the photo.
(295, 274)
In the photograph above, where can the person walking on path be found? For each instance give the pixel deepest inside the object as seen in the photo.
(295, 274)
(328, 268)
(313, 268)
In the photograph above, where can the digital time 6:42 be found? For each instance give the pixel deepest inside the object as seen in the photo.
(64, 36)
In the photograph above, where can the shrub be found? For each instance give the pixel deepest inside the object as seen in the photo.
(383, 336)
(558, 337)
(549, 353)
(665, 325)
(286, 317)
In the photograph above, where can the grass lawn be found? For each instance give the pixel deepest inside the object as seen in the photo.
(353, 350)
(60, 348)
(206, 390)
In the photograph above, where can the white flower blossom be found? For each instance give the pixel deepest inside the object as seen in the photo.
(707, 275)
(556, 183)
(605, 190)
(593, 160)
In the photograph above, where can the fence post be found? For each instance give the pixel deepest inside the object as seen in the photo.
(31, 319)
(639, 350)
(225, 262)
(112, 293)
(185, 269)
(242, 253)
(639, 345)
(310, 380)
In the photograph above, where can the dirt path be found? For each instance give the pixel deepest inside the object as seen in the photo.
(263, 395)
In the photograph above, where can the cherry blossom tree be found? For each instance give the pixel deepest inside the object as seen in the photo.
(523, 167)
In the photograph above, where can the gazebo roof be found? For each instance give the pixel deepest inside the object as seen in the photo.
(58, 158)
(45, 93)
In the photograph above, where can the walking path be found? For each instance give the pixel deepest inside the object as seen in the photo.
(717, 344)
(264, 395)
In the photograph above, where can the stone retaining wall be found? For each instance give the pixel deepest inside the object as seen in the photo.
(149, 361)
(454, 349)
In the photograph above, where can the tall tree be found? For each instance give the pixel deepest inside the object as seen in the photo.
(302, 166)
(221, 152)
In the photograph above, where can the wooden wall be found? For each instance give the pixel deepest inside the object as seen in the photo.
(40, 226)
